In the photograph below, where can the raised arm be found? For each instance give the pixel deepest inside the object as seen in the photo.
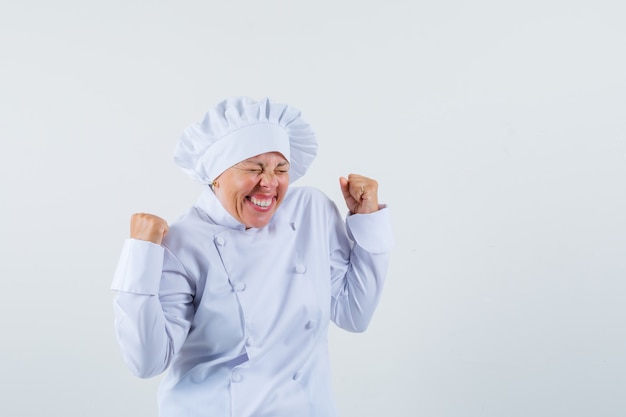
(153, 305)
(359, 267)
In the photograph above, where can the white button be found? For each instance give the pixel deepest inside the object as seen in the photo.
(249, 341)
(220, 240)
(239, 287)
(310, 324)
(300, 269)
(235, 377)
(296, 376)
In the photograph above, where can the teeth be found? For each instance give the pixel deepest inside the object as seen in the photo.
(261, 203)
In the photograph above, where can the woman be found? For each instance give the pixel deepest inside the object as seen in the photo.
(235, 298)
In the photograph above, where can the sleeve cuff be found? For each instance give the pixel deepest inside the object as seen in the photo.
(373, 232)
(139, 268)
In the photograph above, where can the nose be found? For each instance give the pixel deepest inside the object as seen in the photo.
(269, 180)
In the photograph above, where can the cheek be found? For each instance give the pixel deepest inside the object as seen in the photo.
(283, 186)
(244, 187)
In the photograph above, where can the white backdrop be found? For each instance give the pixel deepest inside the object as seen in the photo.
(497, 132)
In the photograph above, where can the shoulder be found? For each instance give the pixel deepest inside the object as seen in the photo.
(306, 195)
(189, 227)
(306, 202)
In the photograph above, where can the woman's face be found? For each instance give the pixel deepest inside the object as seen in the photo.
(252, 190)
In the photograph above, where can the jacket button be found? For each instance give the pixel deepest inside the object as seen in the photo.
(235, 376)
(239, 287)
(220, 241)
(300, 269)
(249, 341)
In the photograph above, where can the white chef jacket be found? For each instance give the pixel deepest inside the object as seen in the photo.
(240, 316)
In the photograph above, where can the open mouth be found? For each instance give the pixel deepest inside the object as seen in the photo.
(261, 202)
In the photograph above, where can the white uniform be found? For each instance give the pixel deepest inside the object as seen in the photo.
(241, 317)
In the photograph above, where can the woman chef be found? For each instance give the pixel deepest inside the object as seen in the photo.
(235, 298)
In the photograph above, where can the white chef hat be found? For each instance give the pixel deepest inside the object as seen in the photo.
(239, 128)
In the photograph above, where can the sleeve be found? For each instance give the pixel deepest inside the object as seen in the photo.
(153, 306)
(359, 251)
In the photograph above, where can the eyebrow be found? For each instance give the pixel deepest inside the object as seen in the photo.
(280, 164)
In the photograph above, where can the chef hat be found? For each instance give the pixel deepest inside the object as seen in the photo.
(239, 128)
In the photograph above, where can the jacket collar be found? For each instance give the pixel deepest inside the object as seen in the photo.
(209, 203)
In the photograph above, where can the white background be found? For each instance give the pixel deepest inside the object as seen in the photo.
(497, 132)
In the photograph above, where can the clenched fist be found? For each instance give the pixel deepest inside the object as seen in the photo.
(144, 226)
(360, 193)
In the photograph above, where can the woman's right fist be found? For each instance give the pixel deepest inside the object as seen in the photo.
(144, 226)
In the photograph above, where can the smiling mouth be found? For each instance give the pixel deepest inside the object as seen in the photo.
(261, 202)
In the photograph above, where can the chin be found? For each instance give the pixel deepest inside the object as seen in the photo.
(259, 225)
(257, 220)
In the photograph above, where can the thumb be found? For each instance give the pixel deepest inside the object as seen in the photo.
(343, 183)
